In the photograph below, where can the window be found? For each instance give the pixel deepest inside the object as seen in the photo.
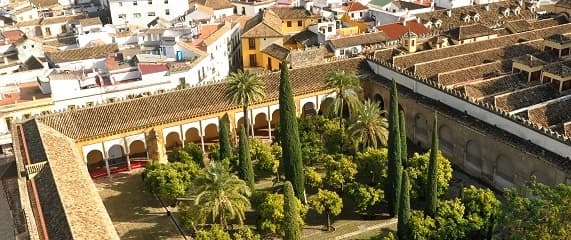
(251, 43)
(24, 47)
(288, 23)
(361, 14)
(182, 81)
(27, 116)
(329, 29)
(48, 31)
(299, 23)
(342, 52)
(121, 16)
(167, 12)
(253, 62)
(135, 3)
(150, 2)
(166, 1)
(120, 4)
(151, 14)
(136, 15)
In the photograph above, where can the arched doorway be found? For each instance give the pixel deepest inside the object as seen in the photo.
(95, 160)
(261, 125)
(275, 121)
(116, 155)
(379, 99)
(308, 110)
(211, 132)
(192, 136)
(137, 150)
(473, 157)
(172, 141)
(446, 139)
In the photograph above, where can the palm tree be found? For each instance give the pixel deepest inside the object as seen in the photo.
(346, 89)
(219, 194)
(244, 88)
(368, 126)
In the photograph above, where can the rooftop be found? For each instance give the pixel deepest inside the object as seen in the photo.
(181, 104)
(265, 24)
(82, 53)
(277, 51)
(215, 4)
(396, 30)
(23, 92)
(359, 40)
(292, 13)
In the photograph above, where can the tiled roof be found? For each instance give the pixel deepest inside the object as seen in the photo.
(152, 68)
(470, 31)
(222, 29)
(551, 114)
(71, 205)
(90, 21)
(292, 13)
(559, 38)
(358, 40)
(519, 26)
(396, 30)
(408, 5)
(215, 4)
(305, 38)
(35, 22)
(82, 53)
(486, 17)
(62, 19)
(525, 97)
(183, 104)
(13, 35)
(44, 3)
(265, 24)
(276, 51)
(355, 6)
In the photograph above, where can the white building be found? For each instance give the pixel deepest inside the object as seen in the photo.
(141, 13)
(396, 11)
(252, 8)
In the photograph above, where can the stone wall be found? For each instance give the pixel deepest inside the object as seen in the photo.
(481, 150)
(307, 56)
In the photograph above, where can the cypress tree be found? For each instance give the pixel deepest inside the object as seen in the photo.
(394, 155)
(289, 133)
(402, 128)
(225, 147)
(246, 169)
(432, 192)
(292, 227)
(404, 210)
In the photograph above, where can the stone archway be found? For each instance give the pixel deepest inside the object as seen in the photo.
(504, 175)
(192, 135)
(473, 157)
(446, 139)
(137, 149)
(308, 110)
(172, 141)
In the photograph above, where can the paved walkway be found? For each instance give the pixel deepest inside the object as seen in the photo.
(364, 230)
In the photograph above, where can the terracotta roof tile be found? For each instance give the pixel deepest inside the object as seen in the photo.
(82, 53)
(152, 68)
(470, 31)
(292, 13)
(396, 30)
(265, 24)
(276, 51)
(182, 104)
(355, 6)
(519, 26)
(357, 40)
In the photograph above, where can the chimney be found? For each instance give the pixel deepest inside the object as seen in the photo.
(418, 20)
(404, 21)
(449, 12)
(487, 7)
(520, 2)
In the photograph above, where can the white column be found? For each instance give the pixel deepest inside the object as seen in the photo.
(127, 152)
(201, 135)
(181, 136)
(268, 118)
(252, 121)
(106, 159)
